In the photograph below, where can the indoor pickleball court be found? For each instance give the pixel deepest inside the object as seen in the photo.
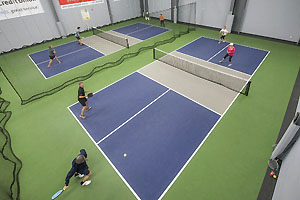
(149, 99)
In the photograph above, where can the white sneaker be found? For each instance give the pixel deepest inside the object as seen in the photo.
(229, 65)
(86, 183)
(89, 108)
(79, 175)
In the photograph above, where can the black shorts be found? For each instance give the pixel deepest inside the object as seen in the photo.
(223, 37)
(78, 38)
(84, 171)
(82, 101)
(52, 57)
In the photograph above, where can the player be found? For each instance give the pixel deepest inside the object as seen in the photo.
(147, 17)
(223, 33)
(77, 35)
(162, 20)
(230, 53)
(82, 100)
(79, 169)
(52, 55)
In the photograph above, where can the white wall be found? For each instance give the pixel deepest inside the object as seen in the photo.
(288, 183)
(273, 18)
(71, 17)
(124, 9)
(212, 13)
(160, 6)
(187, 11)
(27, 30)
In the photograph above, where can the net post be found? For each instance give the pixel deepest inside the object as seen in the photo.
(248, 88)
(127, 43)
(154, 53)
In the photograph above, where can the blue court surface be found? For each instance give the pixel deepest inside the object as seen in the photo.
(246, 59)
(141, 31)
(156, 127)
(70, 54)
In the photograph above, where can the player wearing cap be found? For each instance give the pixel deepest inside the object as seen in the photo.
(79, 169)
(223, 33)
(147, 17)
(230, 53)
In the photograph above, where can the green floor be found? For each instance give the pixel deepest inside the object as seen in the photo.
(230, 165)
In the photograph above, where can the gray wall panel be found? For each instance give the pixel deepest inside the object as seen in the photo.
(273, 18)
(125, 9)
(288, 183)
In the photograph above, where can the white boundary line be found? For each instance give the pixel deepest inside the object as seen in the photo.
(134, 116)
(64, 55)
(179, 93)
(102, 152)
(37, 66)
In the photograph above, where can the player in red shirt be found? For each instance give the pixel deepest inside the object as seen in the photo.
(230, 53)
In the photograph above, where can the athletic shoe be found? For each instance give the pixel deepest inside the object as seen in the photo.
(89, 108)
(86, 183)
(229, 65)
(79, 175)
(82, 116)
(220, 61)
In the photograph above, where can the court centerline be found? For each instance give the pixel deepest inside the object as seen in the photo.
(128, 120)
(218, 53)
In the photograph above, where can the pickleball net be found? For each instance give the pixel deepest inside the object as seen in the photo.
(111, 37)
(229, 81)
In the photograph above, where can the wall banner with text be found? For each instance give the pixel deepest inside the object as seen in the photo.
(77, 3)
(19, 8)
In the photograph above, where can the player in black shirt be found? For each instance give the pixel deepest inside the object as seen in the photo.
(82, 99)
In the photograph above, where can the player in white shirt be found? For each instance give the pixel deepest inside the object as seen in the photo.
(223, 33)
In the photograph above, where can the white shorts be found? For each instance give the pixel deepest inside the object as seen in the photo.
(147, 18)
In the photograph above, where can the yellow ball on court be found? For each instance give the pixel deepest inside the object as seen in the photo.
(274, 176)
(125, 154)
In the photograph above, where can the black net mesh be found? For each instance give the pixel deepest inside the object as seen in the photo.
(204, 70)
(111, 37)
(10, 164)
